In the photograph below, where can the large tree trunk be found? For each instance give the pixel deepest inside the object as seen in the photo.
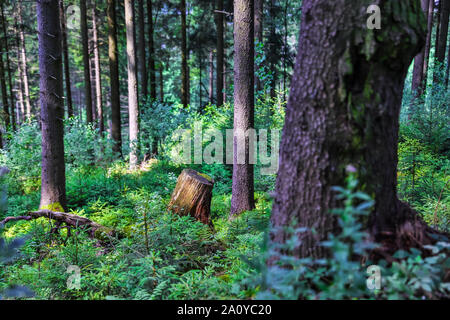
(133, 107)
(344, 110)
(66, 60)
(151, 51)
(87, 69)
(141, 47)
(8, 69)
(192, 196)
(242, 198)
(23, 57)
(114, 78)
(98, 77)
(219, 53)
(53, 187)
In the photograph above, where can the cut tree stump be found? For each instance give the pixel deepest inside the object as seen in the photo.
(192, 196)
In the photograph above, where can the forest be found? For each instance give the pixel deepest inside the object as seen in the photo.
(224, 150)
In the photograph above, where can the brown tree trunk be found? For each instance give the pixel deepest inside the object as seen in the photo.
(184, 66)
(339, 80)
(23, 56)
(133, 107)
(98, 77)
(87, 69)
(219, 54)
(211, 77)
(8, 69)
(53, 187)
(5, 113)
(151, 51)
(259, 18)
(242, 198)
(141, 48)
(161, 83)
(428, 43)
(441, 39)
(114, 78)
(66, 60)
(192, 196)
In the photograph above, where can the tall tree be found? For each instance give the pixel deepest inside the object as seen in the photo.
(86, 65)
(211, 76)
(98, 76)
(259, 18)
(133, 107)
(219, 53)
(242, 198)
(441, 38)
(418, 74)
(151, 52)
(184, 57)
(141, 48)
(19, 81)
(428, 42)
(24, 67)
(114, 77)
(340, 80)
(8, 67)
(53, 185)
(66, 60)
(4, 90)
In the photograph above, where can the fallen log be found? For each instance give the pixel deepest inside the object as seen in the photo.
(94, 229)
(192, 196)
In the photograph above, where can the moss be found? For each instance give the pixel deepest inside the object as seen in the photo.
(55, 206)
(205, 176)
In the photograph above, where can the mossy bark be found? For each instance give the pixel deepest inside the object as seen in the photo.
(192, 196)
(344, 109)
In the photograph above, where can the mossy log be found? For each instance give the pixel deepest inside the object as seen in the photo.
(192, 195)
(71, 220)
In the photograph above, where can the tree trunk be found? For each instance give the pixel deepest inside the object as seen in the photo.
(66, 60)
(141, 47)
(184, 66)
(356, 80)
(114, 78)
(53, 187)
(428, 43)
(23, 56)
(211, 77)
(133, 107)
(161, 83)
(192, 196)
(242, 198)
(5, 113)
(151, 51)
(272, 47)
(8, 69)
(219, 54)
(87, 69)
(98, 77)
(441, 40)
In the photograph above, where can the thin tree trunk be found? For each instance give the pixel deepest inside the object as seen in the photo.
(272, 48)
(200, 67)
(133, 107)
(242, 198)
(5, 114)
(114, 78)
(141, 48)
(161, 83)
(364, 97)
(66, 61)
(184, 66)
(417, 84)
(219, 54)
(98, 77)
(151, 51)
(428, 43)
(211, 77)
(87, 69)
(20, 78)
(23, 56)
(8, 69)
(53, 188)
(441, 39)
(259, 18)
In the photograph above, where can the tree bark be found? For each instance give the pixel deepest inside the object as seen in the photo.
(219, 54)
(441, 40)
(66, 61)
(211, 77)
(114, 78)
(349, 75)
(23, 56)
(87, 69)
(141, 48)
(53, 185)
(151, 51)
(428, 43)
(5, 113)
(98, 77)
(184, 66)
(161, 83)
(192, 196)
(242, 198)
(259, 18)
(133, 107)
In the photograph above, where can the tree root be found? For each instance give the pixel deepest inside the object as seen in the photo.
(94, 229)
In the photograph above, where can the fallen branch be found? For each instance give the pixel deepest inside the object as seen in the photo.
(73, 221)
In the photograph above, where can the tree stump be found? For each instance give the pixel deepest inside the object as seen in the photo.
(192, 195)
